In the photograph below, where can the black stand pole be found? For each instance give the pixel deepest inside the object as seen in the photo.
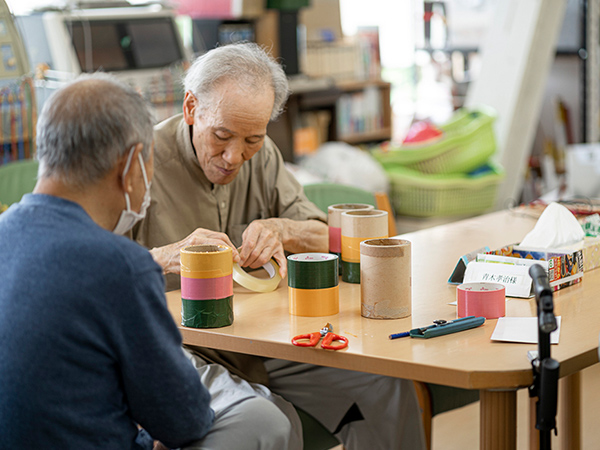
(545, 369)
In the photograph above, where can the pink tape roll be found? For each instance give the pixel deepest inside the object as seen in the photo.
(335, 240)
(481, 300)
(206, 288)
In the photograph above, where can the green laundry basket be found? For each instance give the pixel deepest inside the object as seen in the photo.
(467, 143)
(423, 195)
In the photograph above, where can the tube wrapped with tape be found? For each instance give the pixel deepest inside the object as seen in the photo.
(481, 299)
(385, 278)
(358, 226)
(334, 221)
(313, 282)
(206, 286)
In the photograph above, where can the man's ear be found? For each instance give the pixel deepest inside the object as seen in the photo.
(189, 107)
(127, 180)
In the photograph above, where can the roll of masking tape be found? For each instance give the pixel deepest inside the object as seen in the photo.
(252, 283)
(481, 300)
(206, 286)
(313, 284)
(358, 226)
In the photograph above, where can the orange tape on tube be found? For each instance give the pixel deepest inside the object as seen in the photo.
(206, 261)
(351, 247)
(314, 302)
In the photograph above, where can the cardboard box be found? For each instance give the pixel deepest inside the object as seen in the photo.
(591, 253)
(564, 268)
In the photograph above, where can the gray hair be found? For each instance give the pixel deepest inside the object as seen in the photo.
(87, 126)
(246, 63)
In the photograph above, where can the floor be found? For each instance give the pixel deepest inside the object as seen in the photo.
(466, 419)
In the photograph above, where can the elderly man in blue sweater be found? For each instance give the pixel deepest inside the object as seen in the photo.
(90, 357)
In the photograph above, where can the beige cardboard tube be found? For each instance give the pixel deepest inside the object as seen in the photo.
(334, 218)
(358, 226)
(365, 223)
(385, 278)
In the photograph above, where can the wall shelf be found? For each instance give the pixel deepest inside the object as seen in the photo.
(347, 118)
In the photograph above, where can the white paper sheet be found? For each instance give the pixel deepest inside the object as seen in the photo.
(521, 329)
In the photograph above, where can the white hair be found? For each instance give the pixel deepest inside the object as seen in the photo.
(245, 63)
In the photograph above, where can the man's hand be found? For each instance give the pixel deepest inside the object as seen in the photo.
(168, 256)
(263, 240)
(268, 238)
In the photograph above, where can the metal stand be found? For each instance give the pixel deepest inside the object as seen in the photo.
(545, 369)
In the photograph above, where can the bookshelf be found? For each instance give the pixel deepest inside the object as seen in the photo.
(363, 112)
(323, 110)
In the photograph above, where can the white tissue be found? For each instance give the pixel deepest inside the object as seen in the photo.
(557, 227)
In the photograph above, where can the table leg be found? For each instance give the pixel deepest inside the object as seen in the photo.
(498, 424)
(569, 404)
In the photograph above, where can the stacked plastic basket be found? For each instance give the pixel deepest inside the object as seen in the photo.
(452, 175)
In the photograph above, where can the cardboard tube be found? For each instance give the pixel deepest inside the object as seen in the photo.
(358, 226)
(334, 220)
(385, 274)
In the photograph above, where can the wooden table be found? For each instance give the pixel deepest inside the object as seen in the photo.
(264, 327)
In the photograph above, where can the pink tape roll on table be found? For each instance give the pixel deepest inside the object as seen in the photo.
(481, 300)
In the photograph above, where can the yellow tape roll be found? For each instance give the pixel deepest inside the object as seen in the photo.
(243, 278)
(314, 302)
(206, 261)
(351, 247)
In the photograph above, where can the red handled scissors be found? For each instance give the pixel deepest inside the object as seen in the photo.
(329, 337)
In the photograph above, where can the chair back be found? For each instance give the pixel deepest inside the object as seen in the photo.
(326, 194)
(17, 179)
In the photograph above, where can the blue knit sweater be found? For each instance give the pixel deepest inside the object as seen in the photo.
(88, 349)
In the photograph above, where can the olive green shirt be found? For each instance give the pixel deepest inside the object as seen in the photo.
(183, 199)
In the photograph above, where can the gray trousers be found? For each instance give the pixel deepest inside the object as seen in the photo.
(249, 416)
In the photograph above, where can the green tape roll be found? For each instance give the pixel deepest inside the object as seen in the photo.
(207, 313)
(313, 271)
(339, 255)
(350, 272)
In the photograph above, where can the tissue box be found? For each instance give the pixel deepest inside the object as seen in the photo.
(564, 268)
(591, 253)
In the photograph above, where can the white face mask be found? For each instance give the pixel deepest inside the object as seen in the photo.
(129, 217)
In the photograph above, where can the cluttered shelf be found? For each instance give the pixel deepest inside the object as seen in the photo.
(363, 111)
(356, 112)
(382, 134)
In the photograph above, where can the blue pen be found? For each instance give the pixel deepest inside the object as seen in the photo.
(400, 335)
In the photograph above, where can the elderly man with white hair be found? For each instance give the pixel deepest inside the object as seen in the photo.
(219, 177)
(88, 350)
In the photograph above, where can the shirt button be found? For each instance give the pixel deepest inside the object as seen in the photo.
(223, 204)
